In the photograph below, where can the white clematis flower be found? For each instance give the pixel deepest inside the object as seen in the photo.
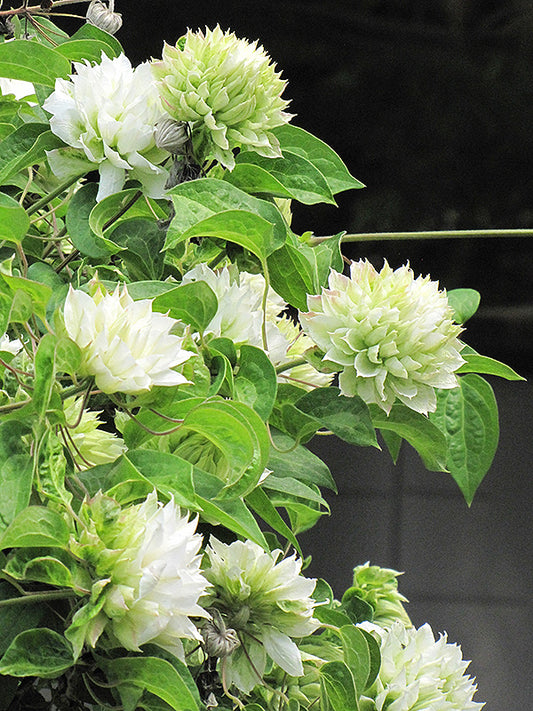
(419, 672)
(126, 346)
(147, 578)
(10, 346)
(19, 88)
(266, 601)
(392, 336)
(240, 318)
(108, 112)
(157, 582)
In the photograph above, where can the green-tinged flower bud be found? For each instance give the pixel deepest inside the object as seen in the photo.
(171, 135)
(379, 588)
(103, 17)
(90, 444)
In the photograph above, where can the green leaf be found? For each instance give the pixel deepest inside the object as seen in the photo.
(171, 475)
(14, 222)
(419, 431)
(37, 652)
(48, 570)
(286, 459)
(338, 692)
(356, 655)
(83, 237)
(194, 303)
(250, 231)
(255, 381)
(221, 372)
(14, 619)
(375, 657)
(157, 676)
(32, 61)
(331, 616)
(233, 514)
(197, 201)
(476, 363)
(78, 50)
(468, 417)
(16, 471)
(464, 302)
(36, 294)
(88, 31)
(291, 275)
(300, 178)
(106, 211)
(36, 526)
(142, 240)
(285, 489)
(296, 140)
(24, 147)
(45, 370)
(240, 436)
(263, 507)
(347, 417)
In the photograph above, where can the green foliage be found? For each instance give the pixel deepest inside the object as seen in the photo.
(227, 444)
(14, 221)
(169, 682)
(468, 417)
(33, 62)
(37, 652)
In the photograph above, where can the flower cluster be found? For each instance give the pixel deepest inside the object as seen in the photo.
(126, 346)
(227, 89)
(392, 336)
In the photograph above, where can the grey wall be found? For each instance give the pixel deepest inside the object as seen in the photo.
(467, 571)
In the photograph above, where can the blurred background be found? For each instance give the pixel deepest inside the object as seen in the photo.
(430, 104)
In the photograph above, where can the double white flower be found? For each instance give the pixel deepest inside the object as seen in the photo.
(419, 672)
(239, 317)
(124, 344)
(266, 600)
(108, 112)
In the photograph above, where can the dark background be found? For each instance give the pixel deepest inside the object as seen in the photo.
(430, 104)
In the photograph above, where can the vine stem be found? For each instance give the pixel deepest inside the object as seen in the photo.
(37, 9)
(431, 234)
(30, 598)
(48, 198)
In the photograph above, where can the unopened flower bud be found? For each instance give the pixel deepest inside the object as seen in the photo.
(171, 135)
(219, 640)
(103, 17)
